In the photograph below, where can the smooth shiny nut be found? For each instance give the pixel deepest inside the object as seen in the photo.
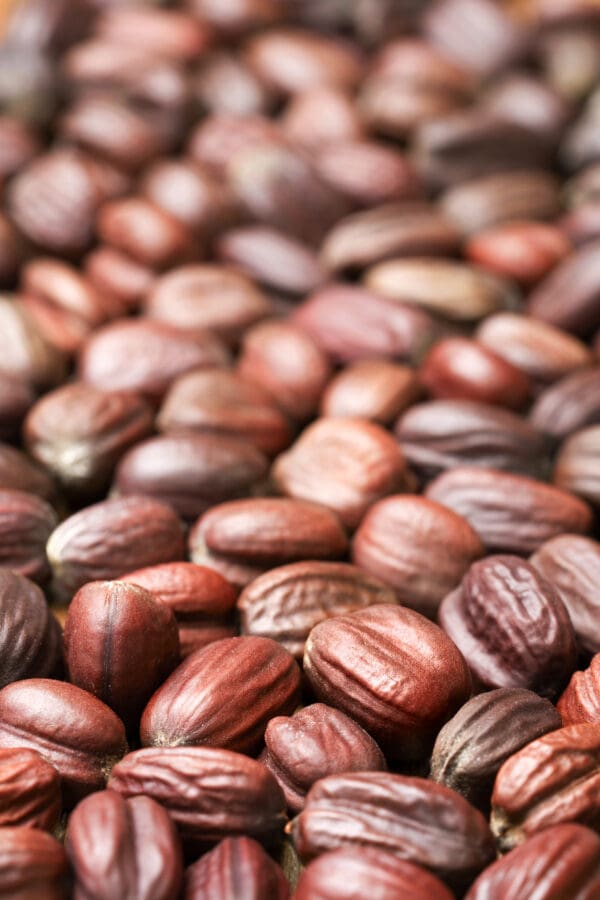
(71, 729)
(338, 874)
(119, 645)
(524, 251)
(418, 547)
(236, 863)
(372, 389)
(270, 530)
(223, 695)
(460, 368)
(283, 360)
(191, 472)
(102, 541)
(123, 848)
(201, 600)
(391, 670)
(344, 464)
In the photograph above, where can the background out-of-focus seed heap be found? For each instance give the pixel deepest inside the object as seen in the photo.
(300, 450)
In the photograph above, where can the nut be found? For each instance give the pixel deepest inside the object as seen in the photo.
(368, 872)
(119, 645)
(124, 848)
(26, 523)
(561, 861)
(488, 729)
(223, 695)
(268, 531)
(510, 513)
(284, 361)
(70, 728)
(553, 780)
(345, 464)
(287, 602)
(512, 626)
(420, 548)
(29, 790)
(32, 864)
(236, 861)
(414, 819)
(580, 701)
(392, 671)
(569, 404)
(316, 741)
(30, 636)
(104, 540)
(371, 389)
(464, 369)
(443, 434)
(79, 433)
(191, 472)
(156, 355)
(209, 793)
(201, 600)
(220, 401)
(572, 564)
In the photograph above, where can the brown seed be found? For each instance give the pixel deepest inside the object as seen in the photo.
(344, 464)
(372, 389)
(338, 873)
(316, 741)
(119, 645)
(78, 433)
(191, 472)
(391, 670)
(223, 695)
(284, 361)
(70, 728)
(217, 401)
(30, 790)
(32, 864)
(120, 848)
(201, 600)
(235, 861)
(510, 513)
(102, 541)
(572, 564)
(286, 602)
(200, 297)
(30, 636)
(551, 781)
(145, 232)
(420, 548)
(524, 251)
(26, 523)
(156, 355)
(209, 793)
(464, 369)
(444, 287)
